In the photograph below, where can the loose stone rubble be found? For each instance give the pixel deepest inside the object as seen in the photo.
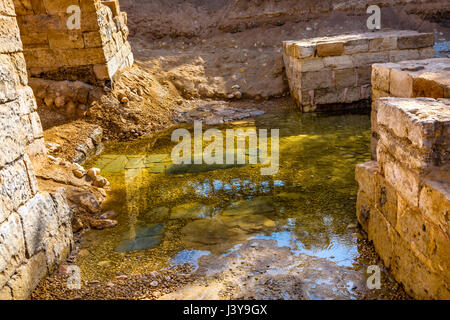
(404, 198)
(428, 78)
(336, 70)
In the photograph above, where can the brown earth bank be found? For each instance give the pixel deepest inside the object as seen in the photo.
(190, 54)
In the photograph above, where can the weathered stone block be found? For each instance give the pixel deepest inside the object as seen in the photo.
(316, 80)
(423, 121)
(386, 200)
(383, 43)
(400, 84)
(417, 41)
(380, 233)
(12, 247)
(340, 62)
(15, 188)
(40, 222)
(363, 208)
(406, 182)
(66, 40)
(9, 35)
(28, 276)
(345, 78)
(434, 201)
(330, 49)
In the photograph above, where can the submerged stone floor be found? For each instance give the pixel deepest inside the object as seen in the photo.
(230, 233)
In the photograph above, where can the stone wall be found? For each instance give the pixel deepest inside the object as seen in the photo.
(337, 70)
(35, 230)
(428, 78)
(404, 198)
(93, 53)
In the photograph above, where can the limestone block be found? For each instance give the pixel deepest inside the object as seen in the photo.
(386, 200)
(380, 232)
(62, 209)
(316, 80)
(430, 85)
(40, 222)
(405, 181)
(381, 77)
(365, 176)
(345, 78)
(5, 293)
(15, 187)
(383, 43)
(66, 40)
(28, 276)
(113, 5)
(356, 46)
(424, 122)
(58, 247)
(363, 208)
(363, 75)
(328, 95)
(301, 52)
(434, 201)
(310, 65)
(402, 55)
(368, 58)
(12, 248)
(42, 23)
(7, 8)
(36, 125)
(419, 281)
(340, 62)
(414, 228)
(22, 7)
(416, 41)
(9, 35)
(10, 79)
(92, 39)
(57, 7)
(400, 84)
(330, 49)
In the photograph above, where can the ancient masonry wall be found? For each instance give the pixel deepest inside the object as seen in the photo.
(68, 67)
(428, 78)
(337, 70)
(404, 197)
(35, 230)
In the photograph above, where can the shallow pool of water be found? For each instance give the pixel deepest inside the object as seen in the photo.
(172, 215)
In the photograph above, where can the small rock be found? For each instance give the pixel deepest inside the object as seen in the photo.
(77, 224)
(100, 182)
(78, 173)
(107, 215)
(156, 294)
(103, 224)
(238, 95)
(154, 283)
(93, 172)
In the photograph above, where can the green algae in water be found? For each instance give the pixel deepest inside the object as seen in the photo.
(308, 204)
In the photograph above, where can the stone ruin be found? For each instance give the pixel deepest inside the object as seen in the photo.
(66, 69)
(332, 72)
(404, 195)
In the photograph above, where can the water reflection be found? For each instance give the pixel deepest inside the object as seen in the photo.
(306, 206)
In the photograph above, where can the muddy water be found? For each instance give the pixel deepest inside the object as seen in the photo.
(292, 235)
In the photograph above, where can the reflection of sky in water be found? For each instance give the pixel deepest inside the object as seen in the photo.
(442, 47)
(343, 251)
(188, 256)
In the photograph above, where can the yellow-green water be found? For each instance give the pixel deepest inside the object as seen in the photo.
(166, 219)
